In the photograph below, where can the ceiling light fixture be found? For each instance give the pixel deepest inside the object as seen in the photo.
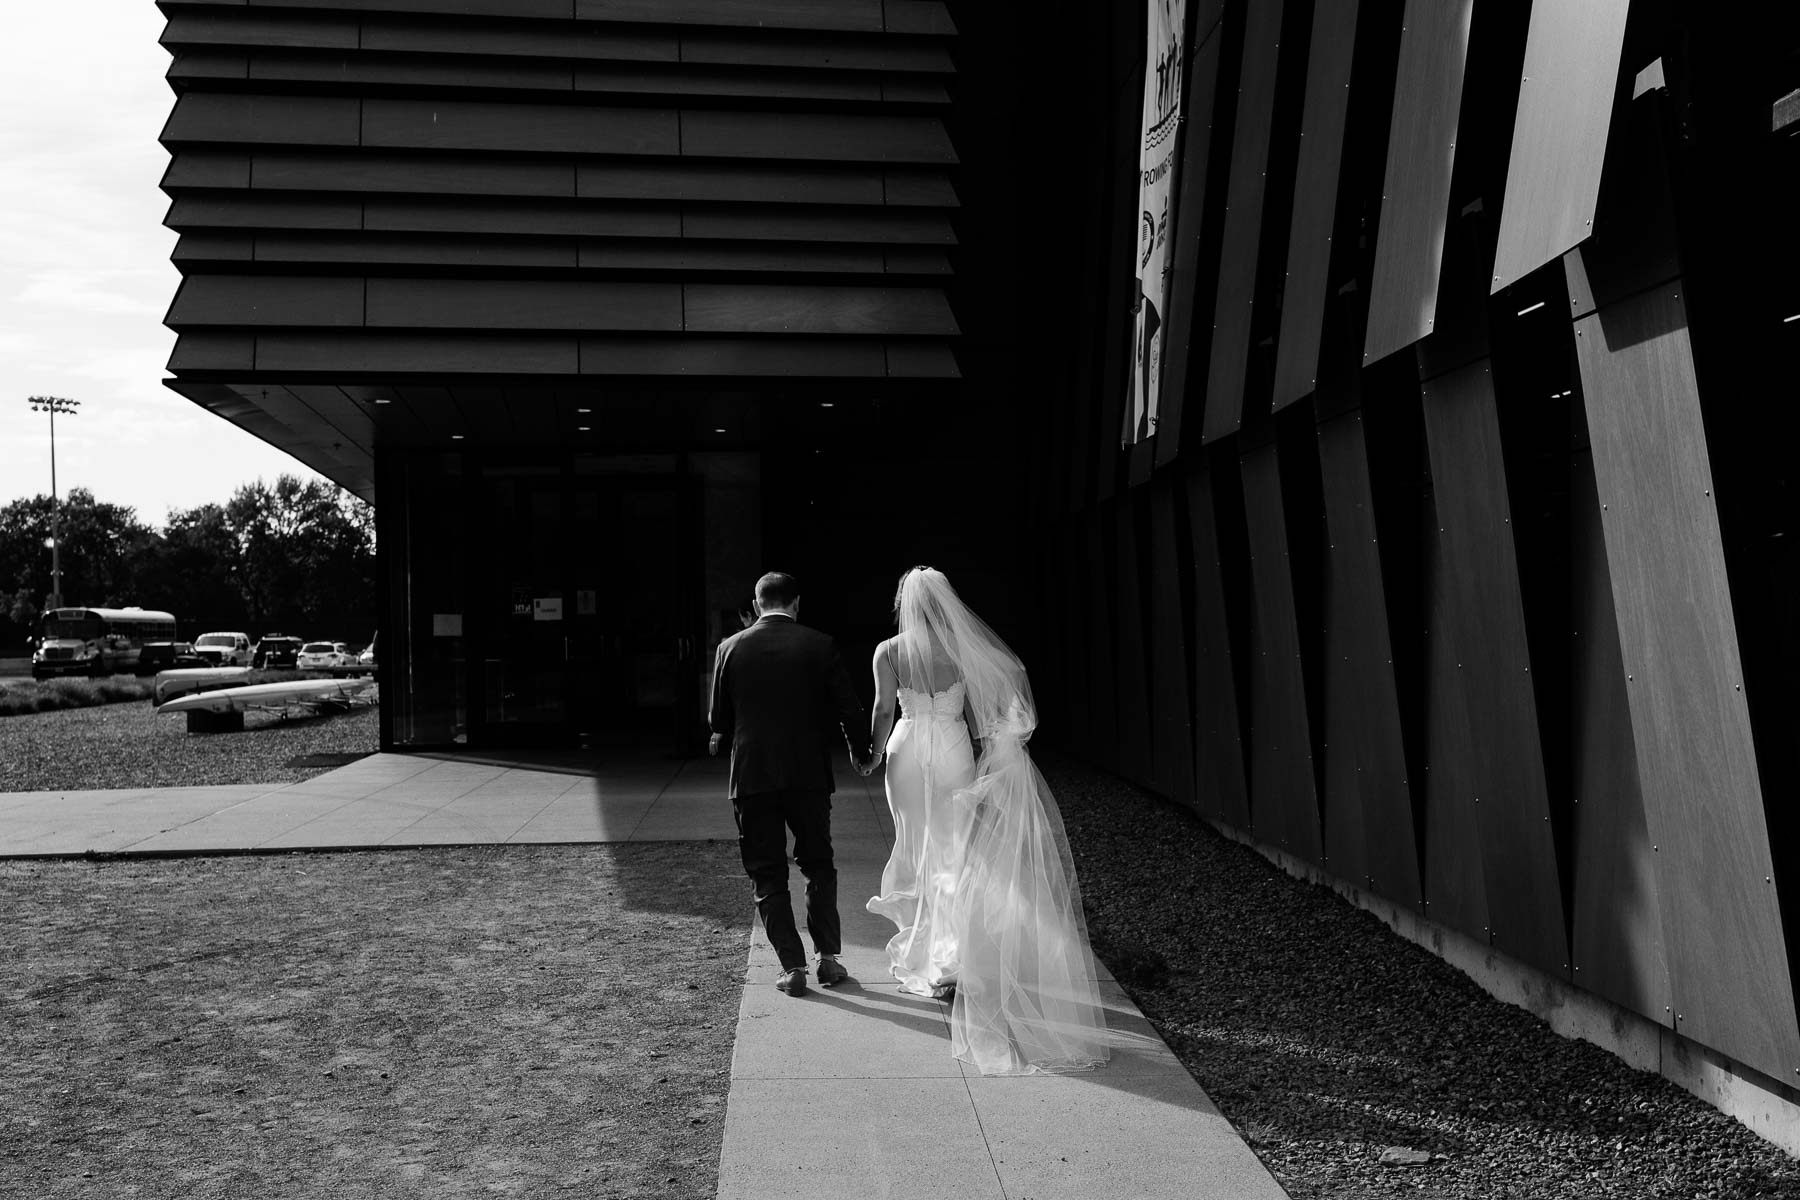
(1531, 308)
(827, 404)
(1788, 320)
(584, 410)
(720, 429)
(456, 437)
(585, 428)
(379, 400)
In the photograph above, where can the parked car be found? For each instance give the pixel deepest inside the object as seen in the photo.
(167, 656)
(324, 656)
(224, 649)
(278, 650)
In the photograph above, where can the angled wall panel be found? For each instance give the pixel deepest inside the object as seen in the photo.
(1136, 743)
(1219, 785)
(1559, 134)
(1171, 737)
(1487, 636)
(1696, 762)
(1283, 804)
(1369, 835)
(1229, 356)
(1456, 890)
(1315, 198)
(1618, 922)
(1416, 187)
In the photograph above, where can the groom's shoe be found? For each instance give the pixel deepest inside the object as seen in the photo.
(831, 971)
(792, 982)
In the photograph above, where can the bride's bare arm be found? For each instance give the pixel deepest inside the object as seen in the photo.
(881, 720)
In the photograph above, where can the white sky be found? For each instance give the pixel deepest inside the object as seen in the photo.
(85, 275)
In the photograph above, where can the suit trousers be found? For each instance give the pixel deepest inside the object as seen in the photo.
(763, 822)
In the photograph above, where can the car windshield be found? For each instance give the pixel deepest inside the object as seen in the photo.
(215, 639)
(316, 648)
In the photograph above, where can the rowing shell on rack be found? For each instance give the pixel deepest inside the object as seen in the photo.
(298, 693)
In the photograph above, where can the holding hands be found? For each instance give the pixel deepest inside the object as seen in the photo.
(865, 765)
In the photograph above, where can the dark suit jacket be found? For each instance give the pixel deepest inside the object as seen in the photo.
(779, 695)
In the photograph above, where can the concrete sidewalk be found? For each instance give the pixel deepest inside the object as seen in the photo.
(850, 1091)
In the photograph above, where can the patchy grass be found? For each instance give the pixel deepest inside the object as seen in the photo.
(520, 1021)
(53, 695)
(21, 696)
(131, 745)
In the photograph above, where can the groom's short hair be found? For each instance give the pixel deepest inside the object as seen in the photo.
(777, 589)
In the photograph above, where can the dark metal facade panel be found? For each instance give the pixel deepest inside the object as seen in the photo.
(415, 354)
(415, 174)
(540, 128)
(803, 136)
(1369, 835)
(524, 39)
(250, 301)
(860, 15)
(1559, 134)
(712, 357)
(1456, 890)
(1136, 740)
(1098, 568)
(1508, 790)
(452, 215)
(218, 117)
(365, 250)
(1415, 190)
(1284, 807)
(859, 225)
(1172, 740)
(1617, 937)
(1328, 84)
(1730, 978)
(1219, 785)
(771, 308)
(508, 304)
(1228, 358)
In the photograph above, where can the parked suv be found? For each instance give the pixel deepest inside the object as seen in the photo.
(224, 649)
(164, 656)
(324, 656)
(277, 650)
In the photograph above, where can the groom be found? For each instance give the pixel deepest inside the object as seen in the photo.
(778, 688)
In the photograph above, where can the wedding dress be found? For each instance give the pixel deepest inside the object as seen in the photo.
(929, 759)
(980, 884)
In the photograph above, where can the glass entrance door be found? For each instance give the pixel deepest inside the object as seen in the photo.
(522, 589)
(632, 603)
(584, 578)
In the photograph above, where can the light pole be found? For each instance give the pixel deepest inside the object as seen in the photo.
(54, 405)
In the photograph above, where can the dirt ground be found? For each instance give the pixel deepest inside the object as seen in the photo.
(517, 1021)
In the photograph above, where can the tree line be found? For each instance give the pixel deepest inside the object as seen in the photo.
(294, 557)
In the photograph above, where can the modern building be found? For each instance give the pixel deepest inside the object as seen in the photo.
(1454, 569)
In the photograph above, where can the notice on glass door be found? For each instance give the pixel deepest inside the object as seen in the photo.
(547, 608)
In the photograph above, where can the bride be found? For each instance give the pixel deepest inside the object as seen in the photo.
(980, 884)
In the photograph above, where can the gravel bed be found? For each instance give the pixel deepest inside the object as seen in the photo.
(128, 745)
(1328, 1040)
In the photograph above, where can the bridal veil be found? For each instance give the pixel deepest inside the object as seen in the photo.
(1027, 999)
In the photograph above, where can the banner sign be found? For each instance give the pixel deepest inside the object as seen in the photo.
(1156, 190)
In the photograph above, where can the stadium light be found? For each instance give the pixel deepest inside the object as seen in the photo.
(54, 405)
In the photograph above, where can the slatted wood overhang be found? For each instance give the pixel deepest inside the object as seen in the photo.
(406, 220)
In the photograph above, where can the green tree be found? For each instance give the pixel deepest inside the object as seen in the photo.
(191, 570)
(100, 547)
(305, 555)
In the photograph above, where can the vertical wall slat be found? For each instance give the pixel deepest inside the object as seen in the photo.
(1722, 920)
